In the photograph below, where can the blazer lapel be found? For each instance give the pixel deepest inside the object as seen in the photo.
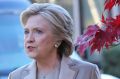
(65, 71)
(68, 69)
(31, 69)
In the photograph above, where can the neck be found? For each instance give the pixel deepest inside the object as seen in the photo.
(48, 64)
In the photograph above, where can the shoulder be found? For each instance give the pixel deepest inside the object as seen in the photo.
(20, 69)
(89, 69)
(84, 66)
(16, 73)
(78, 63)
(82, 63)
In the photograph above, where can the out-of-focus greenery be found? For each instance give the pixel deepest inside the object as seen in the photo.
(111, 61)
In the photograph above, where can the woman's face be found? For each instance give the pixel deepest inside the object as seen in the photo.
(38, 38)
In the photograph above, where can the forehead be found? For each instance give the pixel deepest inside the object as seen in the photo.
(38, 21)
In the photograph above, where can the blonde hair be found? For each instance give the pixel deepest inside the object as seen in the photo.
(61, 20)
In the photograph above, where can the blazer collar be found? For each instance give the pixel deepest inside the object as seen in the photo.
(68, 69)
(31, 69)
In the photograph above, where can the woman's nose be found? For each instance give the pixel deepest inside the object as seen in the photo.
(31, 38)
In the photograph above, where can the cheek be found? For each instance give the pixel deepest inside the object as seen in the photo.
(45, 41)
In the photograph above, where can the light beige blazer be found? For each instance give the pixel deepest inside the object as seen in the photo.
(70, 69)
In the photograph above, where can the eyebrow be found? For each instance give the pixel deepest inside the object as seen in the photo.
(25, 28)
(34, 28)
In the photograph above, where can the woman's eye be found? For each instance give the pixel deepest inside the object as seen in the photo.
(26, 32)
(38, 31)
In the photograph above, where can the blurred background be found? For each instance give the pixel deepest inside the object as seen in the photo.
(83, 12)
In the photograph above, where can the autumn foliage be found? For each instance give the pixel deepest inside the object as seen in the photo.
(97, 37)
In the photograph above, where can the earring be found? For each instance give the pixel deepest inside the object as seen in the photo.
(56, 45)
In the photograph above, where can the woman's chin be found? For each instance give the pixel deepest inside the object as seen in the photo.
(31, 55)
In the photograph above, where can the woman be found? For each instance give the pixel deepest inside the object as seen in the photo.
(48, 32)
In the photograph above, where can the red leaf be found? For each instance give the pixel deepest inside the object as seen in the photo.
(103, 19)
(84, 40)
(91, 29)
(97, 38)
(98, 41)
(113, 26)
(83, 47)
(109, 4)
(118, 2)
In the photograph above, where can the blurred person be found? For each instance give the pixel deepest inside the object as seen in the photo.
(48, 40)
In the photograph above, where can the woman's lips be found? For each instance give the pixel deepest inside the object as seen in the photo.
(30, 48)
